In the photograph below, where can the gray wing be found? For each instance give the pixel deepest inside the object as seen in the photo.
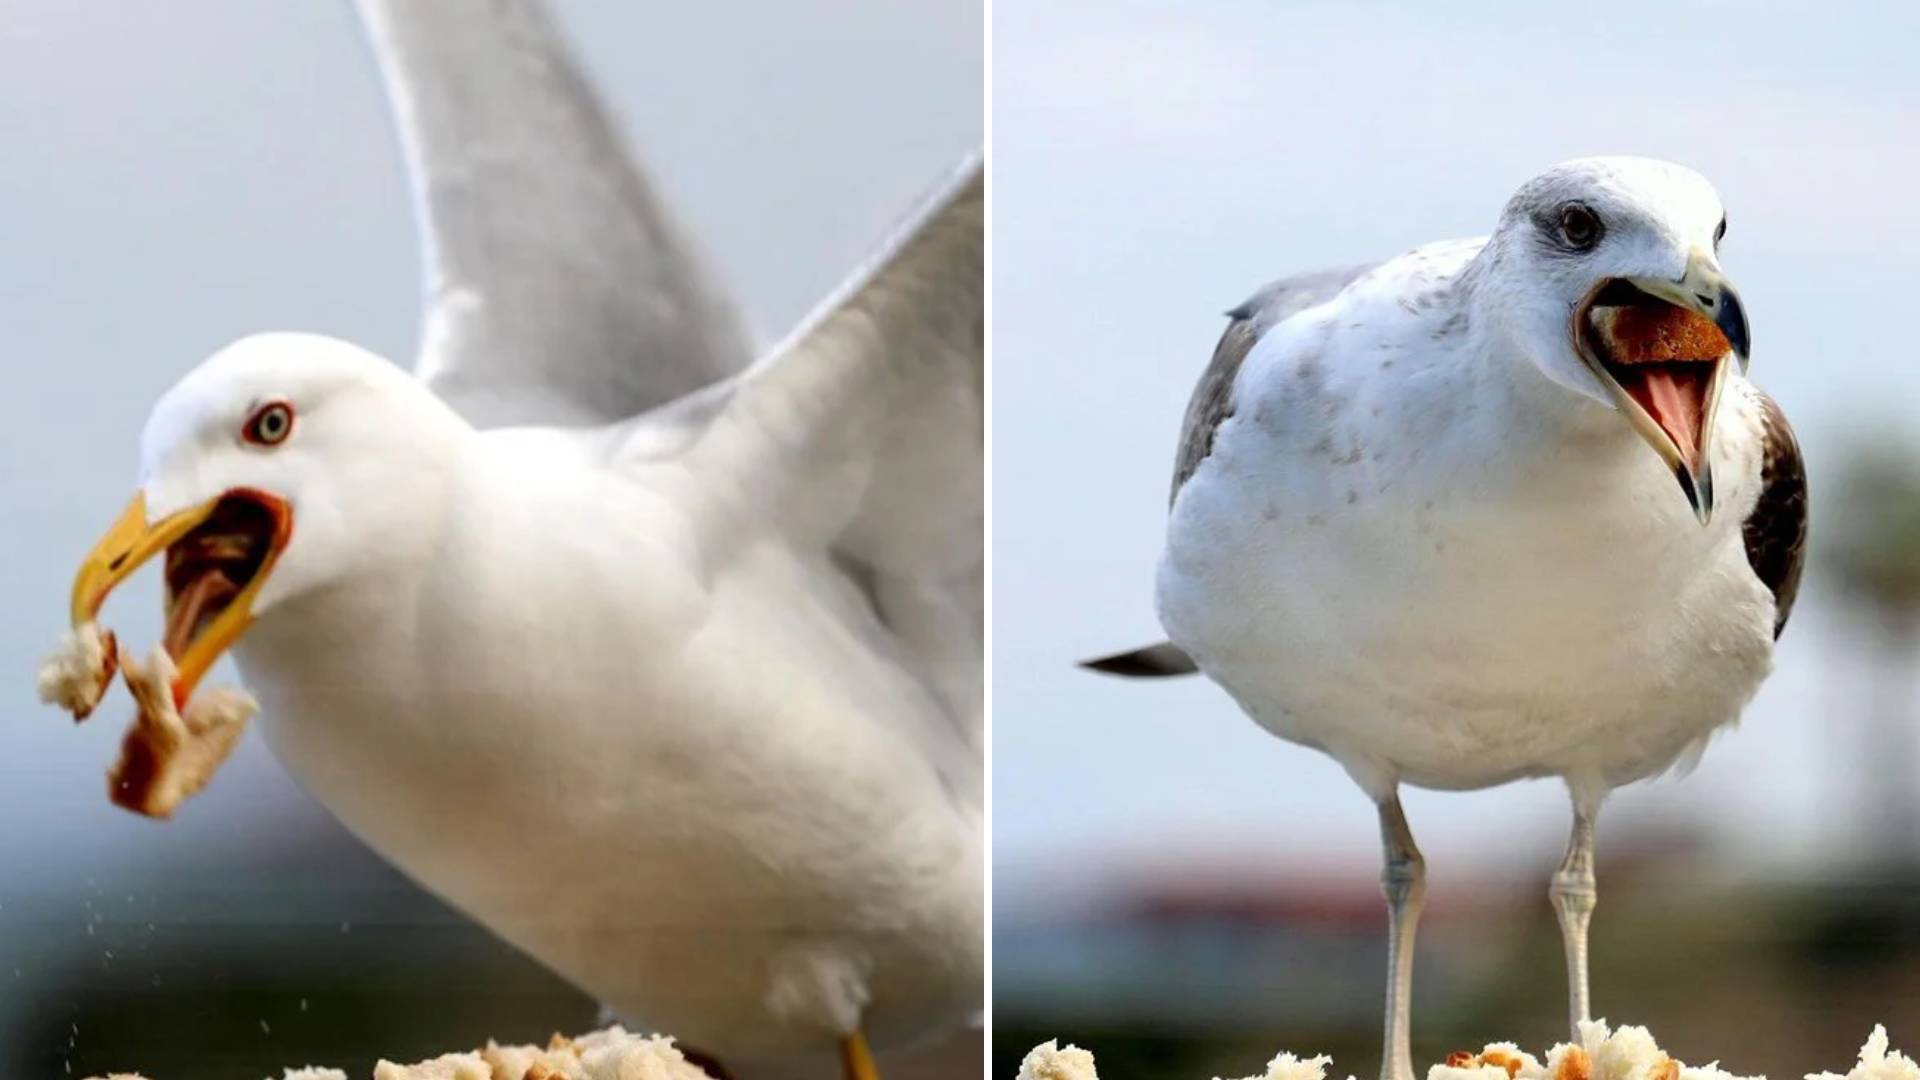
(863, 436)
(1212, 403)
(559, 291)
(1212, 400)
(1776, 531)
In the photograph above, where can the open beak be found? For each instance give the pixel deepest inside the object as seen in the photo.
(218, 555)
(1661, 348)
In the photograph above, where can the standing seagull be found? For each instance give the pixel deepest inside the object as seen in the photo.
(1415, 523)
(666, 671)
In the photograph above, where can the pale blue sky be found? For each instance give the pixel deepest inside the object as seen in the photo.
(1154, 163)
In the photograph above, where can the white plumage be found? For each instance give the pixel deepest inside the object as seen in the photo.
(667, 671)
(1446, 570)
(1425, 516)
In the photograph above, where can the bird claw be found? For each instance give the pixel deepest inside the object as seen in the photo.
(170, 753)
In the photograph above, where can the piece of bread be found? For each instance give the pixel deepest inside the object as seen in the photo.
(75, 676)
(167, 756)
(1049, 1061)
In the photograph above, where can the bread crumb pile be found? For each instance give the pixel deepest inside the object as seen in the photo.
(1602, 1053)
(611, 1054)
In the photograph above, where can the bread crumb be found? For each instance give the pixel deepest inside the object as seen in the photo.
(1499, 1061)
(1876, 1062)
(614, 1054)
(166, 756)
(552, 1062)
(1289, 1067)
(1048, 1062)
(76, 674)
(309, 1072)
(611, 1054)
(444, 1067)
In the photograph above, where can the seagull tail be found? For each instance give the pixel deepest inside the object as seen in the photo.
(1153, 662)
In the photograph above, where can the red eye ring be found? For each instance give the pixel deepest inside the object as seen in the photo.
(269, 425)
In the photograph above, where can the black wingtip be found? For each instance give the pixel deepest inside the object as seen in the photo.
(1153, 662)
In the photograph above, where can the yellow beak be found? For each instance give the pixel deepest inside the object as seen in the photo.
(130, 542)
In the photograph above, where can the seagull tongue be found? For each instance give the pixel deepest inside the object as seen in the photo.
(1674, 393)
(195, 605)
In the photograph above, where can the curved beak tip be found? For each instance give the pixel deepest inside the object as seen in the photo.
(1699, 490)
(1731, 317)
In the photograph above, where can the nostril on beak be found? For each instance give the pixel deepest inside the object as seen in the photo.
(118, 561)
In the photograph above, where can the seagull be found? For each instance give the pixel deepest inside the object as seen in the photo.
(661, 661)
(1497, 508)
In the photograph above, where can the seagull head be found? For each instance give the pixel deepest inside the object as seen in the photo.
(1607, 271)
(277, 465)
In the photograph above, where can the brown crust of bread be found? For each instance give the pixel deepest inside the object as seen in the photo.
(1575, 1064)
(109, 665)
(167, 757)
(1466, 1059)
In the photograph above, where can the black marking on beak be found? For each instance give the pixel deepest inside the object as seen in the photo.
(1731, 317)
(1698, 489)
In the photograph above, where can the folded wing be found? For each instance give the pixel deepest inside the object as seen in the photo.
(1211, 403)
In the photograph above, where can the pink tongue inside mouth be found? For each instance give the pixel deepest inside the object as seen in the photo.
(1675, 395)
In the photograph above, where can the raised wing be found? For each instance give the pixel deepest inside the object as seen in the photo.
(863, 435)
(559, 291)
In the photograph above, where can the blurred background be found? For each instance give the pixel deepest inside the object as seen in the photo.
(179, 175)
(1187, 895)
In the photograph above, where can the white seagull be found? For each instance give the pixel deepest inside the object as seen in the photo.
(668, 672)
(1416, 524)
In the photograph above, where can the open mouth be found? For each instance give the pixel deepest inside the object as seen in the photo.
(218, 554)
(213, 564)
(1664, 364)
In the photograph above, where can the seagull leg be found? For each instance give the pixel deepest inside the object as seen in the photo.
(1574, 895)
(856, 1061)
(1403, 879)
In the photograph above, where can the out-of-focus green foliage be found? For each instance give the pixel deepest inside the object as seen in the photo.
(1867, 532)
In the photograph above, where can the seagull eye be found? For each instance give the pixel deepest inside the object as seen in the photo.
(1720, 233)
(1579, 226)
(269, 425)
